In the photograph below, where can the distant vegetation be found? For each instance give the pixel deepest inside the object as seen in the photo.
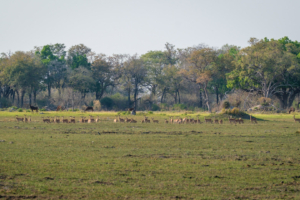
(266, 73)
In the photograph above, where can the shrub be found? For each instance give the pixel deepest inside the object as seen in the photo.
(264, 101)
(20, 110)
(179, 106)
(226, 105)
(28, 110)
(155, 107)
(150, 112)
(107, 102)
(42, 109)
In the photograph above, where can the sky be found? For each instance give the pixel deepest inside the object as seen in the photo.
(139, 26)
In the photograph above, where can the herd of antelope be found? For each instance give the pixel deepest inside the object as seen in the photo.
(71, 119)
(187, 120)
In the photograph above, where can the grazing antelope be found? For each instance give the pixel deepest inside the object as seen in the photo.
(216, 120)
(296, 120)
(59, 108)
(72, 120)
(231, 120)
(127, 120)
(147, 120)
(19, 119)
(166, 121)
(220, 121)
(154, 121)
(133, 121)
(120, 119)
(192, 121)
(86, 120)
(46, 120)
(208, 120)
(253, 119)
(65, 120)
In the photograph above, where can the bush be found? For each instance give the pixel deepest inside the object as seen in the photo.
(28, 110)
(150, 112)
(264, 101)
(20, 110)
(107, 102)
(179, 106)
(42, 109)
(155, 107)
(226, 105)
(5, 103)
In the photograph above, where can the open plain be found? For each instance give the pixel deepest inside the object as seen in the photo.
(108, 160)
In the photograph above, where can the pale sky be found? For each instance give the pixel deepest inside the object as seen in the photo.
(138, 26)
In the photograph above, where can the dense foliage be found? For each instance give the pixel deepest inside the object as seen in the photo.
(268, 67)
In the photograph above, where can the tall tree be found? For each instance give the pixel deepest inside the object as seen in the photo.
(78, 56)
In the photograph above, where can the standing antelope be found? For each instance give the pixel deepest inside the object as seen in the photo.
(65, 120)
(127, 120)
(253, 119)
(72, 120)
(166, 121)
(81, 120)
(240, 120)
(154, 121)
(198, 120)
(120, 119)
(91, 119)
(46, 120)
(19, 119)
(25, 119)
(97, 119)
(216, 120)
(171, 120)
(116, 120)
(208, 120)
(231, 120)
(221, 121)
(56, 119)
(296, 120)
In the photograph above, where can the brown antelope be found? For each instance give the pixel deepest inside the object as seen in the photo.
(208, 120)
(46, 120)
(120, 119)
(97, 119)
(127, 120)
(166, 121)
(56, 119)
(34, 108)
(192, 121)
(154, 121)
(231, 120)
(184, 120)
(171, 120)
(220, 121)
(133, 121)
(198, 120)
(81, 120)
(86, 120)
(72, 120)
(25, 119)
(65, 120)
(296, 120)
(116, 120)
(29, 119)
(216, 120)
(240, 120)
(253, 119)
(91, 119)
(147, 120)
(19, 119)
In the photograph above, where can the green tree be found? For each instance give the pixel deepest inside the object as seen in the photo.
(77, 56)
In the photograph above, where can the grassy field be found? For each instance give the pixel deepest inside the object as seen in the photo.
(109, 160)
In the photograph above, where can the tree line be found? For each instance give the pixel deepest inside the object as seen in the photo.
(267, 67)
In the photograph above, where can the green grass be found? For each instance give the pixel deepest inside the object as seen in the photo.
(149, 161)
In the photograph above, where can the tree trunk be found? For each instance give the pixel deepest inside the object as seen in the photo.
(22, 98)
(18, 96)
(217, 94)
(283, 98)
(200, 99)
(129, 101)
(162, 96)
(178, 96)
(34, 97)
(135, 95)
(29, 95)
(206, 98)
(49, 91)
